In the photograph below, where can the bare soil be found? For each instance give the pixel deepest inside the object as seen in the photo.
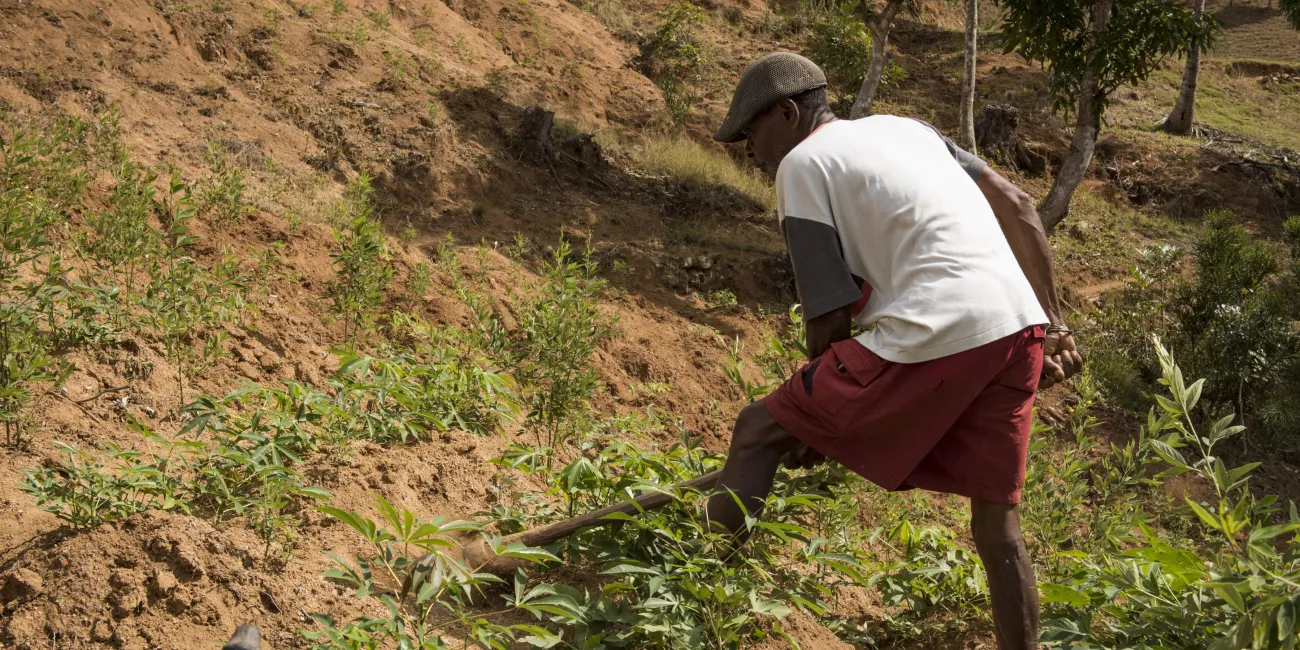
(430, 106)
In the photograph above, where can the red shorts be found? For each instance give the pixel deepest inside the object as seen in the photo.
(958, 424)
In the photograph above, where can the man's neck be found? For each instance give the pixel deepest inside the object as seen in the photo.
(818, 121)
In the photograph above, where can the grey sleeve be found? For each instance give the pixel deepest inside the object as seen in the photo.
(973, 165)
(824, 281)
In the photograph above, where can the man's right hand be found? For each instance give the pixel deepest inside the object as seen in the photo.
(1061, 359)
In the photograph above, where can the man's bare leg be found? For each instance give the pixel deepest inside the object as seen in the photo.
(1013, 589)
(757, 446)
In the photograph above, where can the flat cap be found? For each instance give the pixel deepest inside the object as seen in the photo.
(768, 80)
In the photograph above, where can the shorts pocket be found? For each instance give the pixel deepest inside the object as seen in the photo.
(1026, 367)
(843, 374)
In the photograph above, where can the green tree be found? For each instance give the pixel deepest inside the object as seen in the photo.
(1179, 121)
(880, 21)
(1091, 48)
(838, 43)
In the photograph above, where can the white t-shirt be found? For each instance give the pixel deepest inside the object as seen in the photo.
(888, 202)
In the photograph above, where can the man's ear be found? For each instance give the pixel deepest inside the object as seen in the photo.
(789, 111)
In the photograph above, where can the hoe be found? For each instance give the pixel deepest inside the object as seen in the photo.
(479, 556)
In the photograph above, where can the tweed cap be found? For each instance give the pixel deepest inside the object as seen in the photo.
(768, 80)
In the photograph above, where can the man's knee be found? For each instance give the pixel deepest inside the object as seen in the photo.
(756, 430)
(994, 522)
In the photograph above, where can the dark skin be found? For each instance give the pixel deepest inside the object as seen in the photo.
(759, 445)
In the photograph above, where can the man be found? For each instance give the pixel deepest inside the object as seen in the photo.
(892, 226)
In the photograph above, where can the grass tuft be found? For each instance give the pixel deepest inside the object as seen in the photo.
(688, 160)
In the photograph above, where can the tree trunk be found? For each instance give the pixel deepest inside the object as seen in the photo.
(967, 133)
(879, 29)
(1180, 120)
(1056, 205)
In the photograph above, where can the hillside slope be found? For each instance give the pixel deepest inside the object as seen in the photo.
(301, 100)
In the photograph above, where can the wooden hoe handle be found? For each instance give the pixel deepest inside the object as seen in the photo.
(479, 554)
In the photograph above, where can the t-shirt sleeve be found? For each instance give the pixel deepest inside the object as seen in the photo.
(973, 165)
(820, 272)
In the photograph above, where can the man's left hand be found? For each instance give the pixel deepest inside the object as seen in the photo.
(1061, 360)
(802, 457)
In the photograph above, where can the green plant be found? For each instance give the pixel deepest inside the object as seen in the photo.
(1091, 49)
(419, 281)
(406, 396)
(359, 34)
(559, 328)
(722, 299)
(674, 58)
(1153, 594)
(673, 580)
(838, 42)
(120, 238)
(362, 262)
(428, 594)
(185, 299)
(380, 19)
(85, 491)
(339, 7)
(220, 193)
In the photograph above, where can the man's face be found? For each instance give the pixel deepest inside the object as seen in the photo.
(771, 135)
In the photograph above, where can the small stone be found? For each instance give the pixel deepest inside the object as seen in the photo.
(704, 262)
(149, 411)
(688, 263)
(466, 447)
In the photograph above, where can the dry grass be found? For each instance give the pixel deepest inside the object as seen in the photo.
(688, 160)
(1234, 103)
(1254, 31)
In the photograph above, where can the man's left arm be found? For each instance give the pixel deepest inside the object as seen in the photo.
(1023, 229)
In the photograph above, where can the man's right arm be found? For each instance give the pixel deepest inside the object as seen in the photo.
(1023, 229)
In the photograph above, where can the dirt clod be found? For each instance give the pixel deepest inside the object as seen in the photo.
(20, 584)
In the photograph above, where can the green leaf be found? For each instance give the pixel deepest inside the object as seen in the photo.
(1209, 519)
(532, 554)
(763, 606)
(630, 569)
(1231, 594)
(1286, 620)
(316, 492)
(1053, 593)
(1269, 532)
(1193, 395)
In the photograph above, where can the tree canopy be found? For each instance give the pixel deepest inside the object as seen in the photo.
(1139, 35)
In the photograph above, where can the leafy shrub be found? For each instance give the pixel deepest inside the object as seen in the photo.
(361, 260)
(42, 179)
(220, 193)
(430, 594)
(559, 329)
(676, 582)
(121, 237)
(838, 42)
(674, 58)
(402, 398)
(1232, 319)
(88, 490)
(1153, 594)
